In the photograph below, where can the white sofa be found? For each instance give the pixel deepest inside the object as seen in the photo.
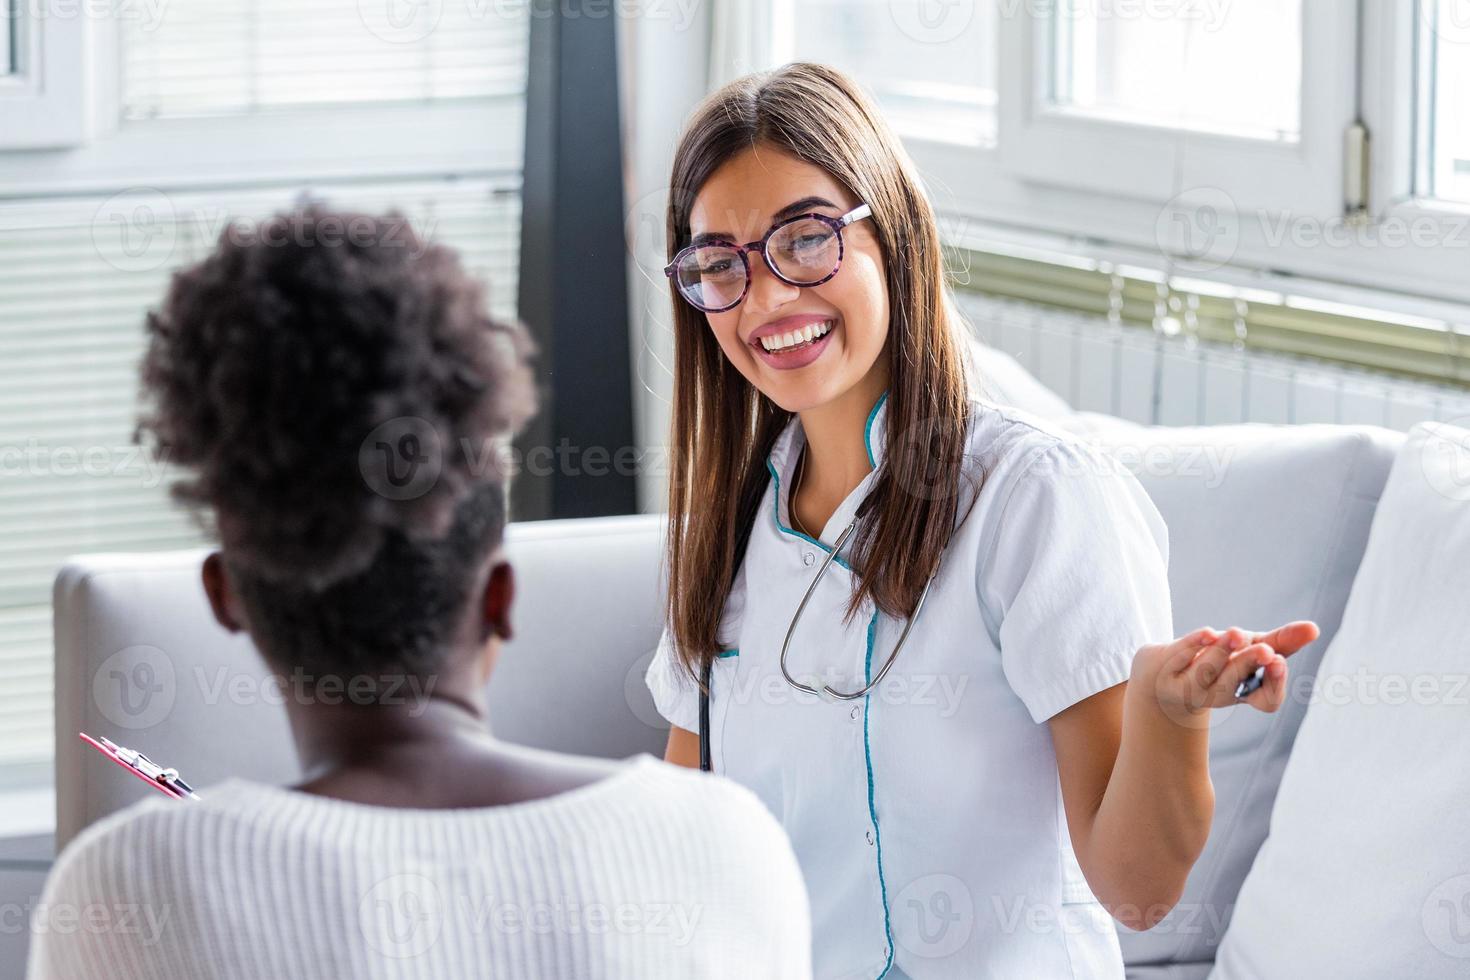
(1267, 524)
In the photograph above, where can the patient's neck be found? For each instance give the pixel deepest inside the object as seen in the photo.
(432, 751)
(340, 741)
(333, 736)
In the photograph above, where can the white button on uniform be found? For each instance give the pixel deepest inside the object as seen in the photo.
(808, 559)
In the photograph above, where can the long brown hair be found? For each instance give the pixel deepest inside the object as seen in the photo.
(724, 427)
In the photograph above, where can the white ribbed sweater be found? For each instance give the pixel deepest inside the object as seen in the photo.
(655, 871)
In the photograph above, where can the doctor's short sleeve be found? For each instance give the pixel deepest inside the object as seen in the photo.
(675, 694)
(1076, 576)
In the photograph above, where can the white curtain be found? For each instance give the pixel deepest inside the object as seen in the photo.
(748, 35)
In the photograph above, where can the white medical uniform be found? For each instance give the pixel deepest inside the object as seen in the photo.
(927, 816)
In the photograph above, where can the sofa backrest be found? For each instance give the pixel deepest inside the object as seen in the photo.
(141, 660)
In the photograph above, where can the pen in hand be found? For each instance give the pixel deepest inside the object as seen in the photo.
(1251, 683)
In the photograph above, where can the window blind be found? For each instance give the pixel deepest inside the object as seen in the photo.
(1411, 347)
(222, 57)
(71, 481)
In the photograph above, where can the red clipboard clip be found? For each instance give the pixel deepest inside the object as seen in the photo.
(164, 780)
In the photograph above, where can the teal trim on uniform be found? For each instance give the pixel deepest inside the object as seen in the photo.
(728, 653)
(776, 508)
(872, 809)
(776, 480)
(868, 428)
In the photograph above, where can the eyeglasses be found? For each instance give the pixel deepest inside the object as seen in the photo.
(803, 250)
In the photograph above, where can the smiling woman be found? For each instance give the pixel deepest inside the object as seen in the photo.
(836, 471)
(736, 182)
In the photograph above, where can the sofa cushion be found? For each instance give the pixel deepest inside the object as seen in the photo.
(1267, 523)
(1367, 869)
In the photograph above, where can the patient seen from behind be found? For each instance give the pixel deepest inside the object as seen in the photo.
(297, 377)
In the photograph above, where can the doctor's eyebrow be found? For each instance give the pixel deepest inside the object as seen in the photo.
(795, 207)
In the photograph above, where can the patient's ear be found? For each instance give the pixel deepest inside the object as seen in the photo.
(221, 598)
(500, 590)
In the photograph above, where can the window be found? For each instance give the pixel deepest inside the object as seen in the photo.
(1311, 138)
(1444, 125)
(932, 67)
(1184, 71)
(225, 108)
(1315, 151)
(1250, 99)
(47, 96)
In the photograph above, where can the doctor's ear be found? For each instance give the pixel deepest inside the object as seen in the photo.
(222, 601)
(500, 589)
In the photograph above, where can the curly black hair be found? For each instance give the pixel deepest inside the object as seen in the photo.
(341, 401)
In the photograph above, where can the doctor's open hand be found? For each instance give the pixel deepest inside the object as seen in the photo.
(1201, 670)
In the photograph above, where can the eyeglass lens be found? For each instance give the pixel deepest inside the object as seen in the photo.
(803, 252)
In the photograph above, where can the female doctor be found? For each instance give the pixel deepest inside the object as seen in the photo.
(891, 581)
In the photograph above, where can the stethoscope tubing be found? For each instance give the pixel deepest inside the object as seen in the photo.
(826, 692)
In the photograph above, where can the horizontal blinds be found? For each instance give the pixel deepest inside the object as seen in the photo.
(223, 57)
(74, 291)
(1408, 347)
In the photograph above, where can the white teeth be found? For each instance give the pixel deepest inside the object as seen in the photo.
(806, 334)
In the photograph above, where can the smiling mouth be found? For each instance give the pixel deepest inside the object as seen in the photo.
(796, 339)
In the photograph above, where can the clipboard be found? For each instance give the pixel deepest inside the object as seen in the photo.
(166, 781)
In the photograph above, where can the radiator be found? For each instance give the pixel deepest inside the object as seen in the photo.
(1157, 380)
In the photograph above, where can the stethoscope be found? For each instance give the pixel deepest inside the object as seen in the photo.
(826, 691)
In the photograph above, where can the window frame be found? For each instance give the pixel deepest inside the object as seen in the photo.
(469, 138)
(1138, 159)
(55, 96)
(1390, 89)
